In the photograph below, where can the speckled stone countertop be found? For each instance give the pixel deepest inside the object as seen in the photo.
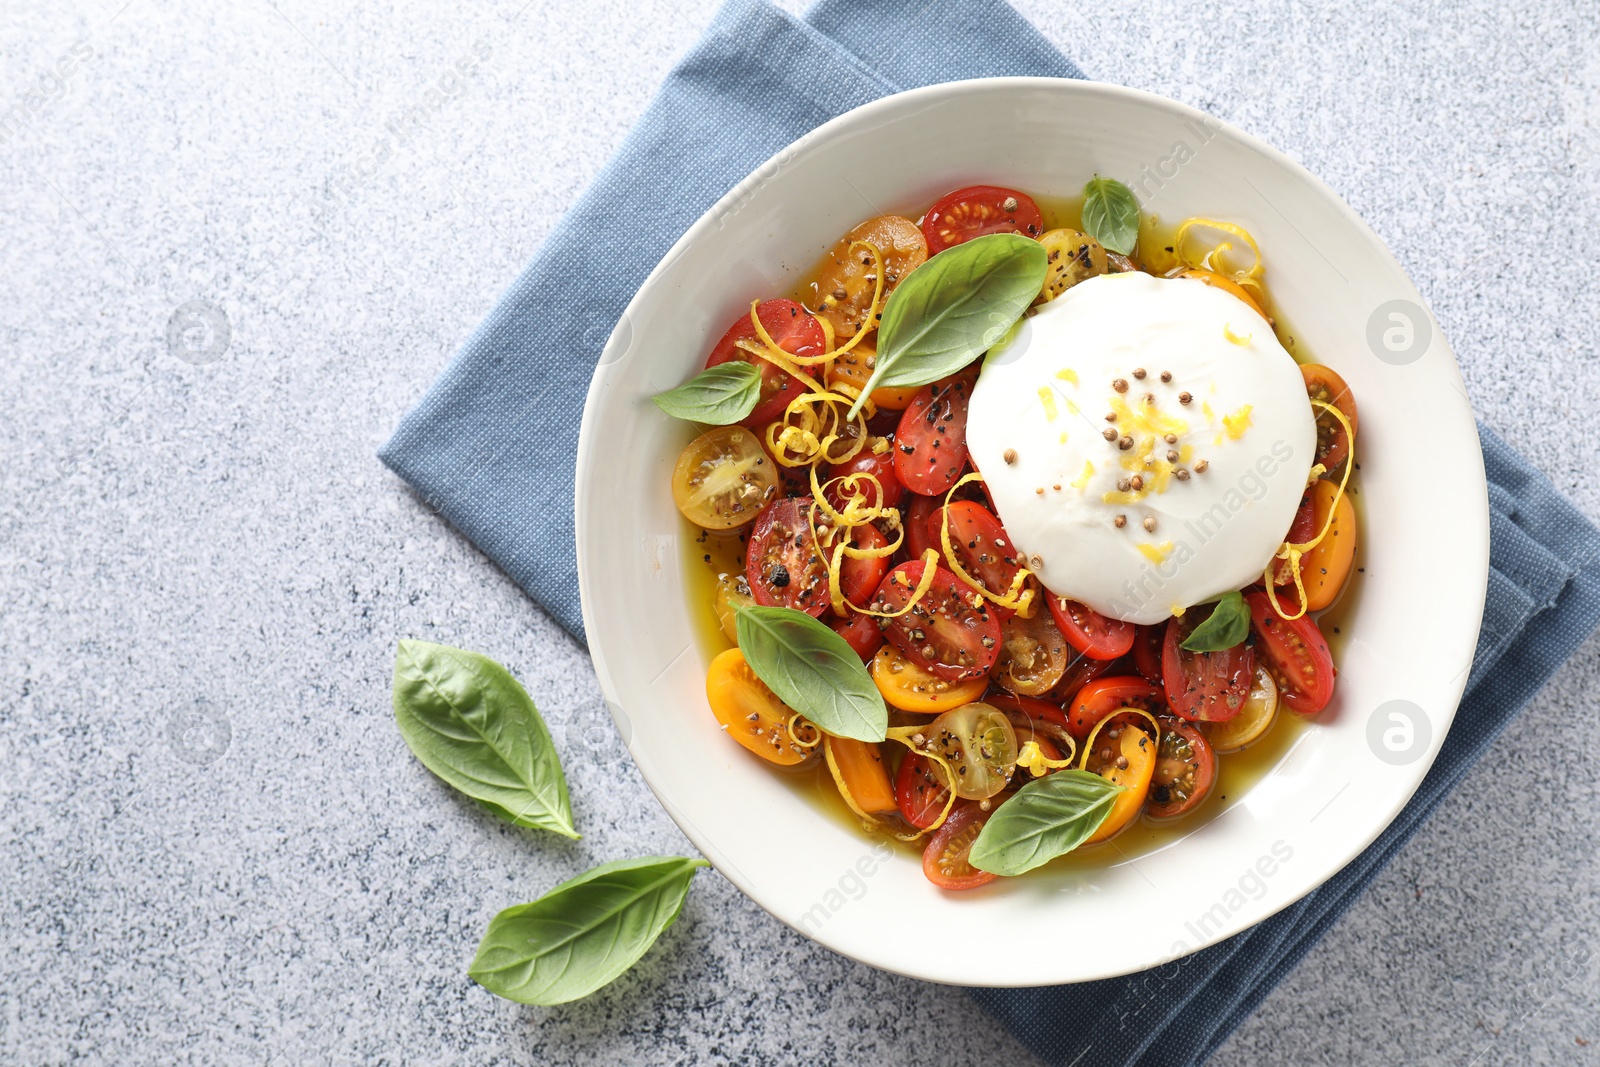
(215, 849)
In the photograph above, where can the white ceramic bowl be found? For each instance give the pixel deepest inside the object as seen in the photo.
(1425, 539)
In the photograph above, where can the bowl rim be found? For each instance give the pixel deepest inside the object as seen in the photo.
(1090, 90)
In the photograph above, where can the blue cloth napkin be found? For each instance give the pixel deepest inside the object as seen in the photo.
(491, 447)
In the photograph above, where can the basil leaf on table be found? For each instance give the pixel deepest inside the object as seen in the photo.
(470, 723)
(717, 396)
(813, 670)
(1111, 214)
(583, 933)
(953, 308)
(1048, 817)
(1228, 624)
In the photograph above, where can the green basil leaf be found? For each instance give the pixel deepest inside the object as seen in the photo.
(955, 307)
(718, 395)
(1048, 817)
(1228, 624)
(470, 723)
(1111, 214)
(813, 670)
(584, 932)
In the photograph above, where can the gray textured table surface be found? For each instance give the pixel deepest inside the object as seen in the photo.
(217, 543)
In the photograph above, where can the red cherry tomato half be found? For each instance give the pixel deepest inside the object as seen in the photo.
(1323, 383)
(919, 792)
(1080, 672)
(945, 861)
(1186, 767)
(918, 524)
(978, 210)
(860, 578)
(795, 332)
(980, 544)
(1148, 645)
(881, 467)
(1301, 530)
(1296, 653)
(861, 633)
(930, 447)
(783, 565)
(1104, 695)
(1090, 632)
(943, 632)
(1205, 686)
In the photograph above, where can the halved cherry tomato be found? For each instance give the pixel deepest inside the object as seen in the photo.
(796, 333)
(1226, 284)
(1103, 696)
(1302, 529)
(943, 631)
(944, 860)
(1033, 654)
(1090, 632)
(919, 527)
(722, 478)
(1124, 756)
(978, 210)
(930, 447)
(1080, 672)
(854, 368)
(860, 774)
(861, 633)
(978, 742)
(783, 565)
(1325, 568)
(752, 713)
(732, 590)
(879, 465)
(1296, 653)
(860, 578)
(844, 280)
(1324, 383)
(1148, 644)
(1256, 718)
(1073, 257)
(1204, 686)
(1041, 714)
(919, 791)
(1186, 767)
(980, 543)
(909, 686)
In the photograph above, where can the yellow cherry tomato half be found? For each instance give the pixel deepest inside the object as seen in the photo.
(723, 478)
(909, 687)
(753, 714)
(1253, 720)
(1138, 749)
(733, 590)
(1326, 568)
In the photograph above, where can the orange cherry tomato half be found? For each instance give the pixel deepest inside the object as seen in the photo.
(1103, 696)
(783, 564)
(1204, 686)
(919, 792)
(976, 211)
(1324, 383)
(752, 714)
(854, 368)
(907, 685)
(1296, 653)
(1137, 752)
(795, 332)
(1325, 569)
(1090, 632)
(844, 281)
(945, 859)
(930, 445)
(861, 773)
(1186, 768)
(861, 633)
(943, 632)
